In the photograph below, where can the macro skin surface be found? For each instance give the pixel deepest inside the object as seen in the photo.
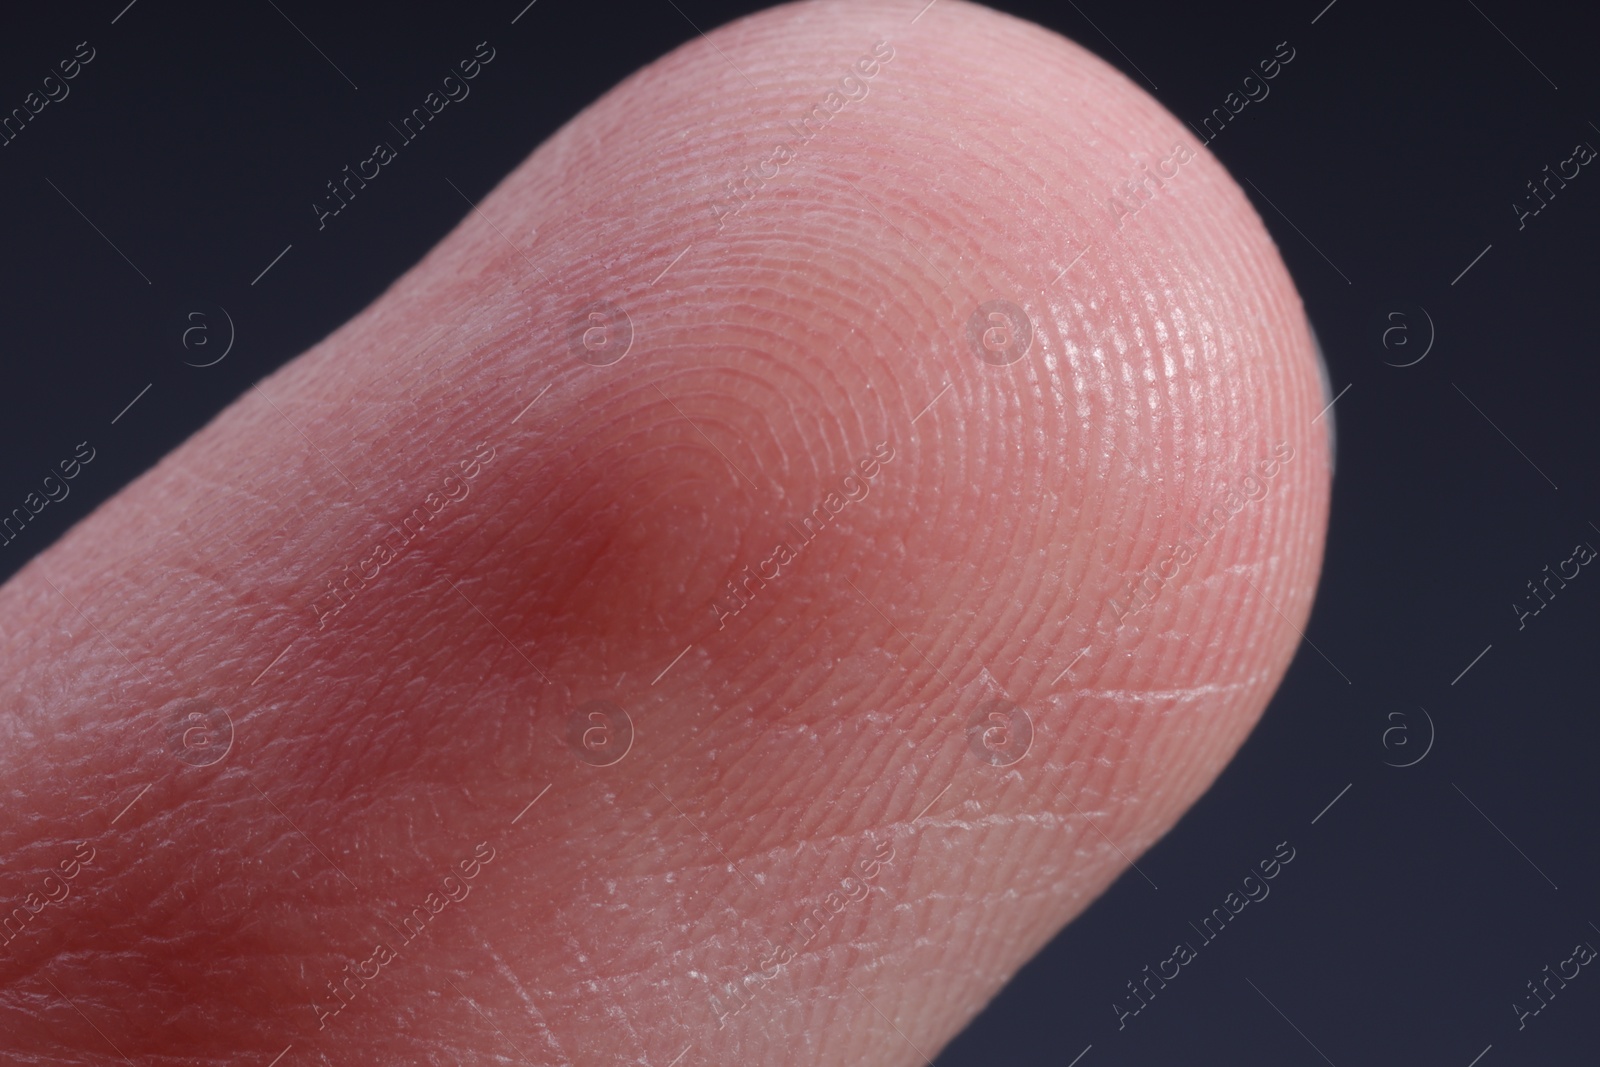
(589, 431)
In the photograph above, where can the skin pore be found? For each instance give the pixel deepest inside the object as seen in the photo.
(327, 695)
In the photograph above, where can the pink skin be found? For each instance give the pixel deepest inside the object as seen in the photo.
(780, 759)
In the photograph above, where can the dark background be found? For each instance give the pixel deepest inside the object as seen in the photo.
(1417, 906)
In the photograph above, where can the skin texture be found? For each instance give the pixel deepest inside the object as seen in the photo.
(812, 750)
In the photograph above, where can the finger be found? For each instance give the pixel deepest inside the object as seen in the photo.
(745, 619)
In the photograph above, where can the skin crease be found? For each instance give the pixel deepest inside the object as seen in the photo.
(775, 760)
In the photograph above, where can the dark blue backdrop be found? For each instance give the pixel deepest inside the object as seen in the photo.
(178, 164)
